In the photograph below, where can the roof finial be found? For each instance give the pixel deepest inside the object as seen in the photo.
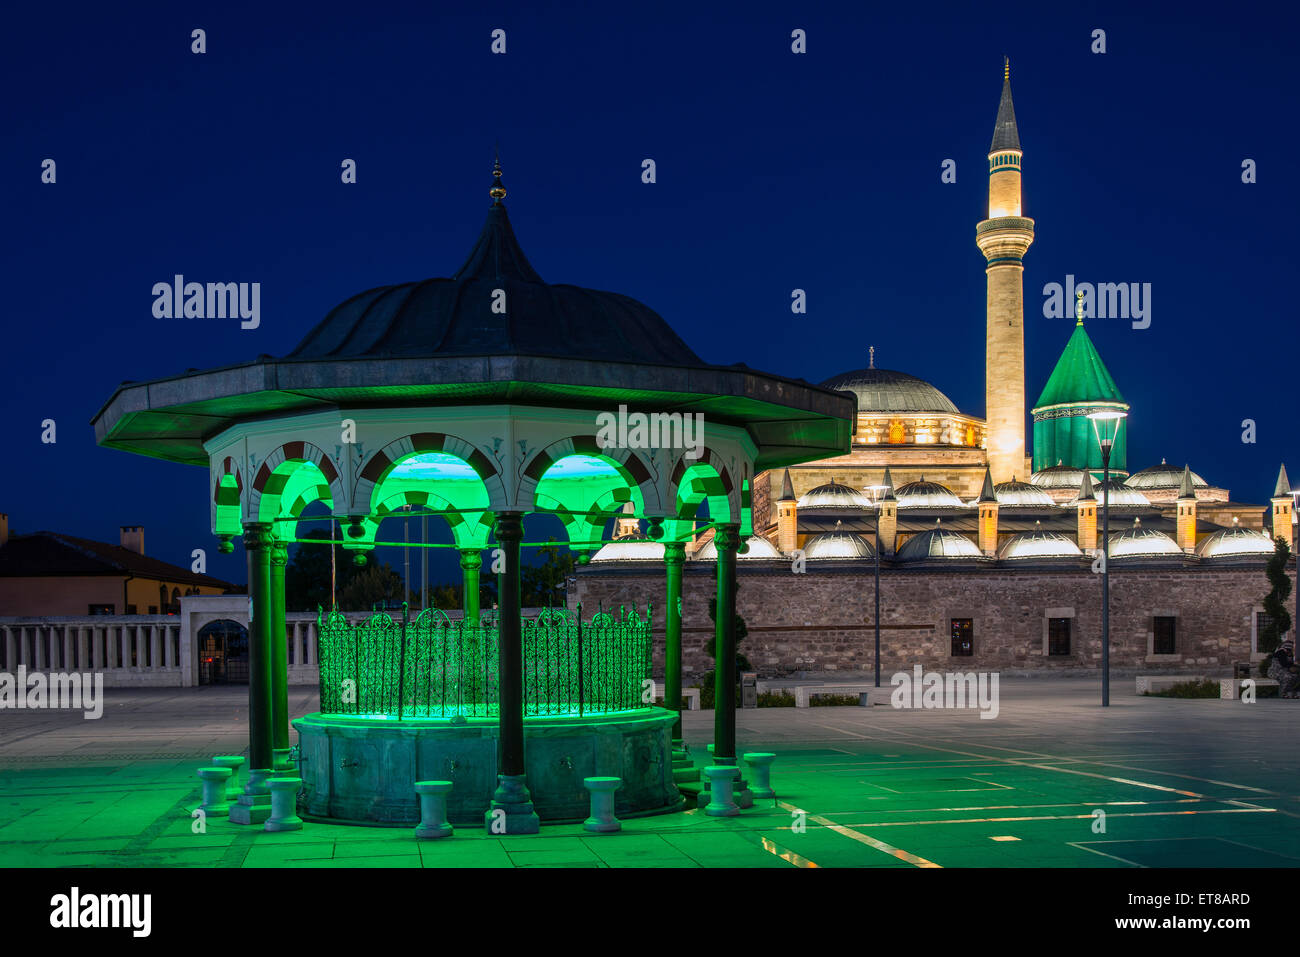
(1078, 307)
(497, 192)
(1006, 68)
(871, 360)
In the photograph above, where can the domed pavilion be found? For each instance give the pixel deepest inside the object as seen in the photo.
(481, 397)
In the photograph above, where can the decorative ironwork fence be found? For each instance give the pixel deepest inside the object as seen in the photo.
(434, 666)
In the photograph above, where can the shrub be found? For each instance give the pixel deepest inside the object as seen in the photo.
(1204, 688)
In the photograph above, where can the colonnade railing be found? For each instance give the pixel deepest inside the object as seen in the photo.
(150, 650)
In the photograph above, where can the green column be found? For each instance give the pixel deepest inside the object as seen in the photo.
(511, 795)
(674, 557)
(279, 654)
(257, 543)
(727, 540)
(471, 560)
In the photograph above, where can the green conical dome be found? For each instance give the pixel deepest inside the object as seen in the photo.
(1080, 384)
(1079, 376)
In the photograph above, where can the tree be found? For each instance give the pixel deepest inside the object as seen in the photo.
(541, 585)
(1278, 618)
(370, 586)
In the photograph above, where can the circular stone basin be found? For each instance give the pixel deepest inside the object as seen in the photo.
(363, 768)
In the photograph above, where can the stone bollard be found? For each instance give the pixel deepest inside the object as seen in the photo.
(760, 764)
(602, 820)
(433, 809)
(721, 779)
(284, 804)
(214, 790)
(234, 762)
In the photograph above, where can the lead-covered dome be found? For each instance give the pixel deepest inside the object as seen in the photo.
(631, 549)
(756, 547)
(833, 496)
(1162, 476)
(1038, 545)
(884, 390)
(1022, 495)
(1117, 495)
(1058, 476)
(495, 304)
(923, 494)
(837, 545)
(938, 543)
(1235, 542)
(1142, 542)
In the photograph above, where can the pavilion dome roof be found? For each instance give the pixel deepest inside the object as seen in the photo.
(833, 495)
(938, 543)
(1235, 542)
(1058, 476)
(1039, 544)
(923, 494)
(837, 545)
(758, 547)
(884, 390)
(1162, 476)
(455, 316)
(1121, 496)
(1142, 542)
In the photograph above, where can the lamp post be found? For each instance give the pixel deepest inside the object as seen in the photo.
(1105, 424)
(875, 491)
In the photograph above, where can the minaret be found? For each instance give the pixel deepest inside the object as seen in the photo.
(1086, 515)
(988, 517)
(1185, 524)
(1282, 505)
(1004, 238)
(787, 517)
(887, 516)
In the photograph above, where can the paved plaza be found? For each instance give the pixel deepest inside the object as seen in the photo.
(1200, 783)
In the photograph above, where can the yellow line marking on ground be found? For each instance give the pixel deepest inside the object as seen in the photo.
(786, 854)
(1060, 817)
(902, 855)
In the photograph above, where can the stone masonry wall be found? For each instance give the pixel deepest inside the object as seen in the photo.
(822, 621)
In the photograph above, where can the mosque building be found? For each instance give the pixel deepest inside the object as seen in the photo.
(988, 544)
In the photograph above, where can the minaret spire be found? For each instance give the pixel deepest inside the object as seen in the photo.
(498, 191)
(1004, 238)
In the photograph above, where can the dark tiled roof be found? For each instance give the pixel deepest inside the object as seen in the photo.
(1005, 134)
(455, 317)
(49, 554)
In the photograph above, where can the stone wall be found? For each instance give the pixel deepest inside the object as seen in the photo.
(822, 621)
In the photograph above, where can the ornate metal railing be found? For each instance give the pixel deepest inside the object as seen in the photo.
(434, 666)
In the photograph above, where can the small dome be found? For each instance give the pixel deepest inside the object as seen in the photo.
(925, 494)
(1021, 495)
(1140, 542)
(834, 495)
(837, 545)
(1120, 495)
(1058, 476)
(1039, 544)
(938, 543)
(631, 549)
(758, 547)
(1236, 542)
(1162, 476)
(883, 390)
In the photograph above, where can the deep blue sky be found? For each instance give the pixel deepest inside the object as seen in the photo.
(775, 171)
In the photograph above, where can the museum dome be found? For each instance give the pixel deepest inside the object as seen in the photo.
(1039, 544)
(923, 494)
(1141, 542)
(1021, 495)
(1121, 496)
(884, 390)
(837, 545)
(1058, 476)
(833, 495)
(631, 549)
(757, 547)
(1162, 476)
(938, 543)
(465, 314)
(1235, 542)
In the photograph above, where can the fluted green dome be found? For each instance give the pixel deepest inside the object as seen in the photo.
(1079, 385)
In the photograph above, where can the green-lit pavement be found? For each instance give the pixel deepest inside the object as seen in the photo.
(1181, 783)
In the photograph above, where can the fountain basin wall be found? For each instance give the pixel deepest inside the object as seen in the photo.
(364, 769)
